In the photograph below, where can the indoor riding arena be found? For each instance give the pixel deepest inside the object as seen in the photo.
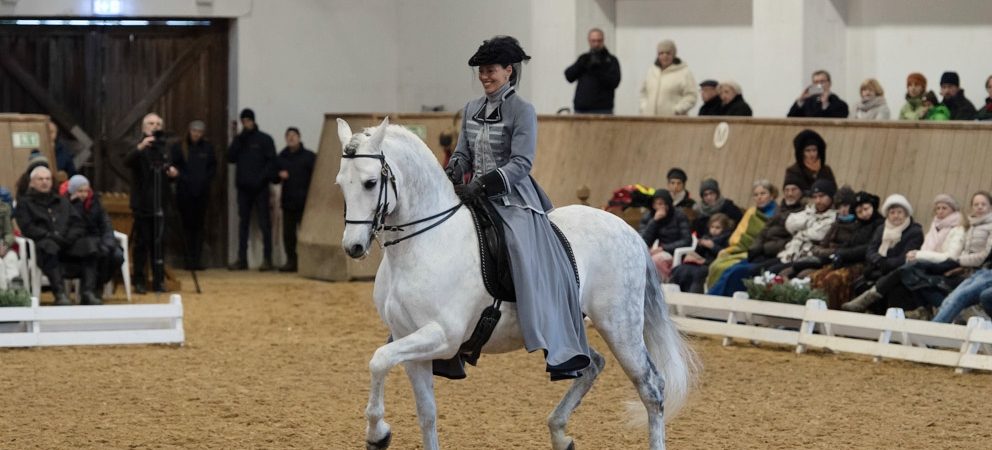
(222, 224)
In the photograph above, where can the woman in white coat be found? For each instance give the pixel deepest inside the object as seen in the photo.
(669, 88)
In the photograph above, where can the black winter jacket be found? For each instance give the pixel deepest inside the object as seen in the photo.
(598, 75)
(197, 171)
(300, 166)
(711, 108)
(961, 108)
(671, 232)
(878, 265)
(813, 108)
(96, 222)
(143, 180)
(47, 216)
(736, 107)
(254, 154)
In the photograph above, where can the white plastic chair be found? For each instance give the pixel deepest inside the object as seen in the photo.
(35, 279)
(680, 252)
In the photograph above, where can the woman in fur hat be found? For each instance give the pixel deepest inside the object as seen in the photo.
(811, 161)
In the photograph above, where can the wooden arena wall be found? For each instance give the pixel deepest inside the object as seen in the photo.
(916, 159)
(13, 160)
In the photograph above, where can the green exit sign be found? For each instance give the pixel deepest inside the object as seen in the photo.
(25, 139)
(419, 130)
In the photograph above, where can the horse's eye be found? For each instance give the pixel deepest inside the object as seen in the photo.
(369, 184)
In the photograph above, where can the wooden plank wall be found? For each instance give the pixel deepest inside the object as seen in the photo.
(13, 161)
(918, 160)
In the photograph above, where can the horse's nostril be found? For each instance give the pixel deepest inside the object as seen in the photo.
(355, 250)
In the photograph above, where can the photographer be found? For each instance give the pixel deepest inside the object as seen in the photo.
(145, 159)
(817, 100)
(598, 74)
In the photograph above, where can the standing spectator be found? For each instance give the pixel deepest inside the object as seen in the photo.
(817, 100)
(145, 159)
(196, 163)
(691, 274)
(732, 101)
(669, 88)
(712, 202)
(63, 157)
(598, 74)
(916, 86)
(8, 259)
(35, 159)
(950, 89)
(99, 230)
(710, 94)
(296, 165)
(56, 229)
(873, 105)
(986, 112)
(668, 227)
(934, 110)
(254, 155)
(811, 161)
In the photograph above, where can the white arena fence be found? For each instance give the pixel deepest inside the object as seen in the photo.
(812, 325)
(37, 326)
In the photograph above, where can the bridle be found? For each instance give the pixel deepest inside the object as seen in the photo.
(378, 222)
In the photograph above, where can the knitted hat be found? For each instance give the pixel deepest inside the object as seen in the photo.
(947, 200)
(844, 196)
(897, 200)
(667, 46)
(950, 78)
(77, 181)
(794, 179)
(709, 184)
(36, 159)
(198, 125)
(247, 113)
(863, 197)
(825, 187)
(678, 173)
(917, 78)
(710, 83)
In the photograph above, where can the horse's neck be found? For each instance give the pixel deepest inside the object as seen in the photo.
(420, 194)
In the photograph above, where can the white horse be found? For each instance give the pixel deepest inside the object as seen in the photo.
(429, 290)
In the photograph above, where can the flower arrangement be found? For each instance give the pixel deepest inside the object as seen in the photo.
(774, 288)
(14, 297)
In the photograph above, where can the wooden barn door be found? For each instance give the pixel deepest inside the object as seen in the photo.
(97, 82)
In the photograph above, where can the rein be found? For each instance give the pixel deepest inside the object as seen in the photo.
(378, 222)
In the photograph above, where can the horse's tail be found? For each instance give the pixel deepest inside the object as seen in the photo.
(669, 351)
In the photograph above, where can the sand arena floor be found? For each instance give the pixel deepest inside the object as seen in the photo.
(275, 361)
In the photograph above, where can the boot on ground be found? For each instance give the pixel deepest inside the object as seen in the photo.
(862, 302)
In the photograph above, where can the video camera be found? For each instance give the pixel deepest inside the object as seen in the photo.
(157, 150)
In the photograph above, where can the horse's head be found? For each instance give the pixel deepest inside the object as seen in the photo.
(366, 182)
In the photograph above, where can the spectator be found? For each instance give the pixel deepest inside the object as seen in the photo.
(986, 112)
(676, 187)
(691, 274)
(713, 203)
(669, 88)
(148, 157)
(196, 163)
(916, 86)
(8, 259)
(817, 100)
(598, 74)
(667, 226)
(254, 155)
(838, 233)
(887, 251)
(811, 161)
(63, 157)
(99, 230)
(873, 105)
(710, 94)
(56, 229)
(950, 89)
(932, 109)
(35, 159)
(763, 193)
(764, 250)
(732, 101)
(810, 226)
(296, 165)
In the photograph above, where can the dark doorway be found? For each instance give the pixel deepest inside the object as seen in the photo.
(98, 78)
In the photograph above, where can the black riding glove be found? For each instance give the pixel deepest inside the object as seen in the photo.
(455, 173)
(470, 192)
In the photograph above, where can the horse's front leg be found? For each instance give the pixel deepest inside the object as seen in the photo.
(421, 376)
(426, 344)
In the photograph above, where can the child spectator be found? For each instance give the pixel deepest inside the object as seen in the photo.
(932, 109)
(873, 105)
(712, 203)
(691, 274)
(670, 228)
(763, 193)
(916, 86)
(811, 161)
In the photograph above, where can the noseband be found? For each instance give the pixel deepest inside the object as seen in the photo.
(378, 222)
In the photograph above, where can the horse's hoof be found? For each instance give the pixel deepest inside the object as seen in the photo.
(571, 446)
(382, 444)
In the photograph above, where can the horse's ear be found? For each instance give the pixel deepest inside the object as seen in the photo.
(380, 133)
(344, 132)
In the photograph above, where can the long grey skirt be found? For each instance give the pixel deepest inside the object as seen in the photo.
(548, 306)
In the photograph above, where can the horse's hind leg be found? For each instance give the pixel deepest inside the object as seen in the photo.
(425, 344)
(628, 347)
(559, 417)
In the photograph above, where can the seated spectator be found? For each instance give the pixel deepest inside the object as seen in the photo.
(691, 274)
(765, 248)
(732, 101)
(710, 95)
(35, 159)
(916, 86)
(986, 112)
(763, 193)
(676, 187)
(950, 89)
(669, 89)
(932, 109)
(817, 100)
(712, 203)
(811, 161)
(8, 258)
(887, 251)
(99, 230)
(941, 247)
(809, 226)
(669, 227)
(873, 105)
(57, 229)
